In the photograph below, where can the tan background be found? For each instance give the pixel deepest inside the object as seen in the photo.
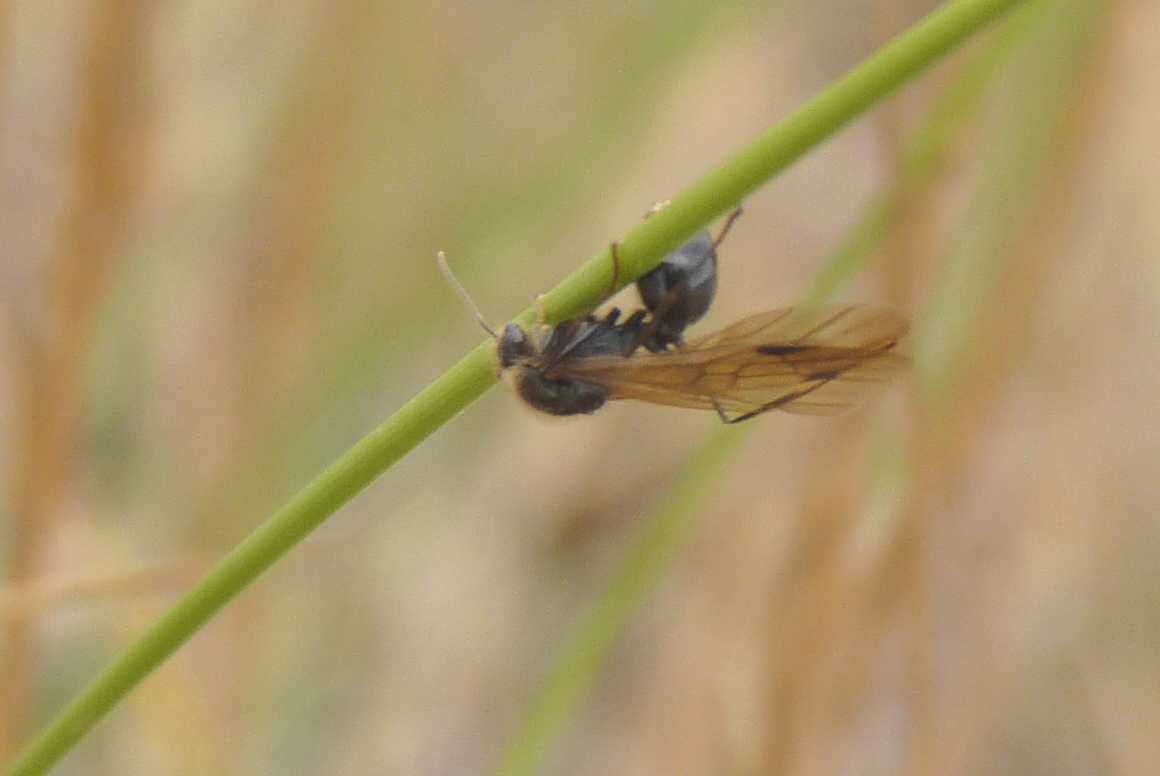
(217, 225)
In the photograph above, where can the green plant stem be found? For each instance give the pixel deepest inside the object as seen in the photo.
(642, 250)
(722, 189)
(569, 681)
(924, 156)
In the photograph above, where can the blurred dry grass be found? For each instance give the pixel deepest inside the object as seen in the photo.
(218, 223)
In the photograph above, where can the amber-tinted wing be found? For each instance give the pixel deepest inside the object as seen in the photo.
(824, 362)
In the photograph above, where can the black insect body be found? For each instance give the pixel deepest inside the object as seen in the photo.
(681, 289)
(540, 370)
(821, 361)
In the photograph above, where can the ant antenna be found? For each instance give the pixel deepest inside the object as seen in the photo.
(449, 276)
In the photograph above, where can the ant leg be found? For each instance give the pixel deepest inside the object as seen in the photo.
(727, 226)
(614, 248)
(781, 401)
(725, 418)
(730, 421)
(658, 313)
(633, 324)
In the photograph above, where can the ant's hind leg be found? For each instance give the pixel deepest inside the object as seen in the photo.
(720, 411)
(730, 421)
(727, 225)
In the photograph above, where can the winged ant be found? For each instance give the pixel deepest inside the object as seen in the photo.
(824, 363)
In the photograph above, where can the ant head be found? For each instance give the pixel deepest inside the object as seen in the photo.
(514, 346)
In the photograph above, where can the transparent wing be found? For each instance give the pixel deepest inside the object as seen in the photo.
(823, 362)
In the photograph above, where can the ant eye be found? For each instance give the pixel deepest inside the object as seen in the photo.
(513, 346)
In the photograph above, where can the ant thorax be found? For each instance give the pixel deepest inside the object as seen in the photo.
(538, 360)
